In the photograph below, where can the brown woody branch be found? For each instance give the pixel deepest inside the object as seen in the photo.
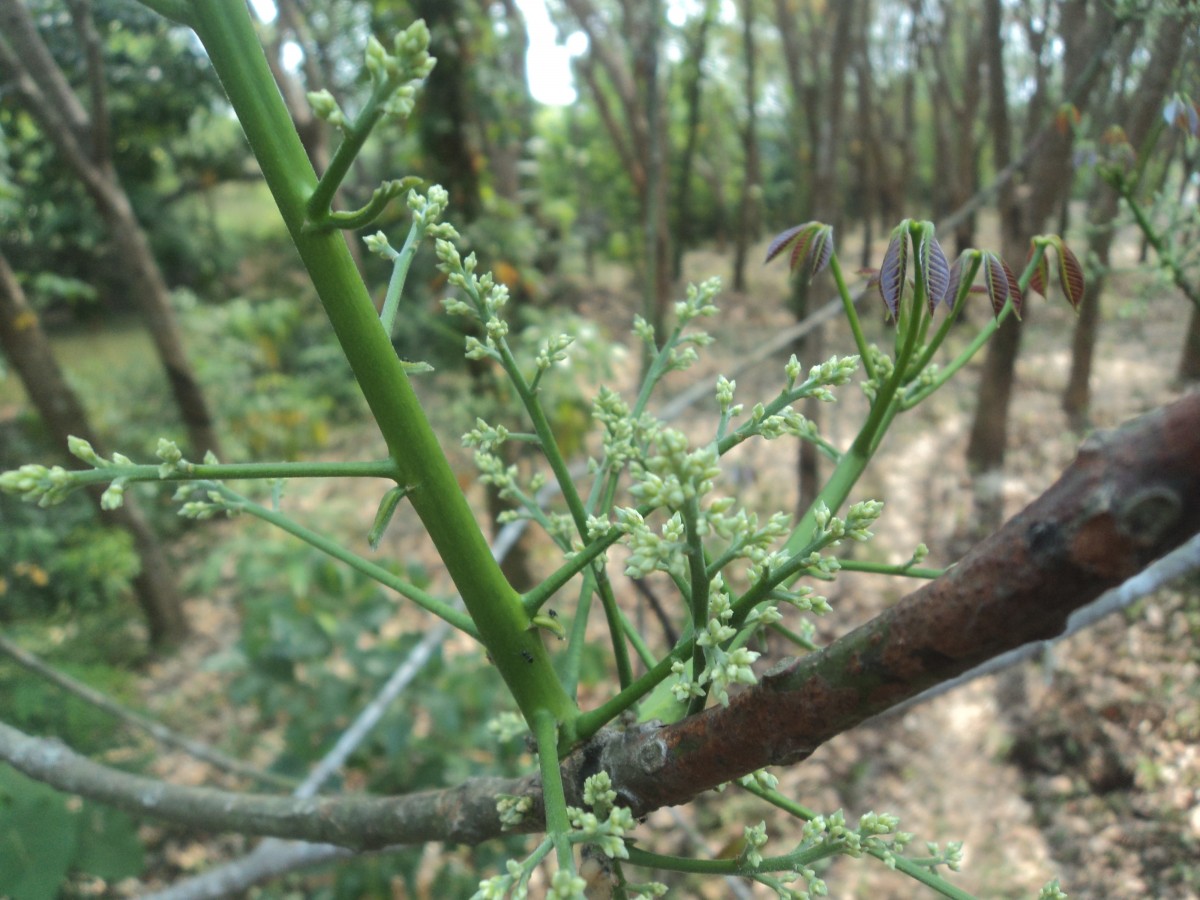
(1131, 496)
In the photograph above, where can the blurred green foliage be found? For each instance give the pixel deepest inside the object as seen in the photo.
(275, 371)
(87, 837)
(318, 641)
(172, 140)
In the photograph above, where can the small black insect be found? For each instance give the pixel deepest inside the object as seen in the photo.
(527, 656)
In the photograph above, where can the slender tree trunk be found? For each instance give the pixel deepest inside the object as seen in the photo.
(81, 141)
(1049, 178)
(1141, 129)
(747, 229)
(28, 351)
(1189, 360)
(692, 93)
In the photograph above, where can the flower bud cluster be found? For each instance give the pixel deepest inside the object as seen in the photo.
(675, 474)
(401, 71)
(484, 436)
(833, 832)
(211, 503)
(698, 302)
(513, 810)
(855, 526)
(623, 436)
(326, 108)
(883, 367)
(485, 299)
(553, 350)
(427, 210)
(722, 668)
(755, 837)
(35, 483)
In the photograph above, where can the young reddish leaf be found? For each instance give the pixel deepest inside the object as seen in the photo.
(894, 269)
(1041, 274)
(1014, 289)
(995, 280)
(1070, 275)
(934, 267)
(811, 243)
(820, 250)
(954, 281)
(785, 239)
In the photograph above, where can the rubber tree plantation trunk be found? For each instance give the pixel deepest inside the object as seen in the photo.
(81, 140)
(1141, 129)
(29, 353)
(1022, 215)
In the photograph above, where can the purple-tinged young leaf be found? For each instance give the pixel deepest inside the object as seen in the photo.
(893, 271)
(1041, 274)
(995, 281)
(936, 270)
(811, 243)
(820, 251)
(784, 239)
(1070, 275)
(1014, 289)
(954, 282)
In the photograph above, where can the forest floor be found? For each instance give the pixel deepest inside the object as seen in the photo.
(1085, 767)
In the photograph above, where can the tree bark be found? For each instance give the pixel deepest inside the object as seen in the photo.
(79, 139)
(1131, 496)
(29, 352)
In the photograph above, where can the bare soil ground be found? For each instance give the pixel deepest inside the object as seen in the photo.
(1085, 768)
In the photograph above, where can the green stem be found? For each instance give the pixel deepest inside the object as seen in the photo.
(535, 598)
(225, 29)
(318, 205)
(853, 565)
(384, 468)
(903, 864)
(570, 662)
(960, 299)
(911, 400)
(401, 263)
(798, 639)
(554, 798)
(439, 608)
(588, 723)
(860, 339)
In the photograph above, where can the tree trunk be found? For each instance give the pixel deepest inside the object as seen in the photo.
(1189, 360)
(1141, 129)
(81, 142)
(1020, 218)
(692, 92)
(28, 351)
(747, 228)
(631, 63)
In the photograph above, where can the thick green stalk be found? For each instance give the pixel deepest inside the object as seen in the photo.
(227, 33)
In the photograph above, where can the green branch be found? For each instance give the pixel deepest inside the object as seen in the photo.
(225, 29)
